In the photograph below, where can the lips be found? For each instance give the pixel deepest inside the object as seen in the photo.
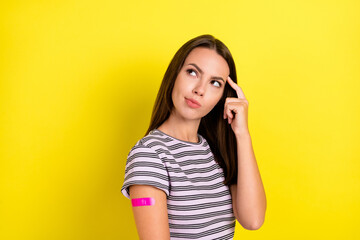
(194, 102)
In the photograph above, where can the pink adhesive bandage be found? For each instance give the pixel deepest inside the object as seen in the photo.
(137, 202)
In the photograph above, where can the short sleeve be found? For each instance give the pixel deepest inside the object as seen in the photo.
(144, 167)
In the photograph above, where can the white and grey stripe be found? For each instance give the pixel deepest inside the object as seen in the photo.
(199, 204)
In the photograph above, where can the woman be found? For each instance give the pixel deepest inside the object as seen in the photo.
(194, 172)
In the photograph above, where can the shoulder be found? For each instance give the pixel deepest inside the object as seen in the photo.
(148, 146)
(145, 167)
(153, 140)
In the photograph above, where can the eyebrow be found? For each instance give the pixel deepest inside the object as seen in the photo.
(201, 71)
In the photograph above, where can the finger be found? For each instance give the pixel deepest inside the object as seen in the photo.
(231, 105)
(236, 87)
(228, 110)
(228, 113)
(233, 100)
(236, 100)
(229, 118)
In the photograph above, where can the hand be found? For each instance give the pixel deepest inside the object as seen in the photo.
(239, 105)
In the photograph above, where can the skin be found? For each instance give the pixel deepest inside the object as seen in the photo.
(248, 195)
(202, 87)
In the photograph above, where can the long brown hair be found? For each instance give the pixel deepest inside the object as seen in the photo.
(213, 127)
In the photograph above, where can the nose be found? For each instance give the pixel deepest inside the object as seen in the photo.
(199, 89)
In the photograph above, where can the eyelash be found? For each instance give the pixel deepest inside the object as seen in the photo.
(192, 70)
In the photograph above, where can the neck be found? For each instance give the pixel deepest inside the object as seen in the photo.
(180, 128)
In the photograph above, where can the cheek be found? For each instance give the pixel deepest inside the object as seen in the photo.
(183, 86)
(178, 90)
(218, 93)
(217, 98)
(211, 103)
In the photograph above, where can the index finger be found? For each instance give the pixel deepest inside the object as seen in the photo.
(236, 87)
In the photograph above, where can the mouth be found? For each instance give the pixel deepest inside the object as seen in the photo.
(192, 103)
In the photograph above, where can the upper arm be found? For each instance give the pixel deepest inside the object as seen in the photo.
(233, 191)
(151, 221)
(146, 176)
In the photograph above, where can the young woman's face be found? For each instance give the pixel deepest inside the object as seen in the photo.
(202, 78)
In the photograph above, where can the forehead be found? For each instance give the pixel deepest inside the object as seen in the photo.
(209, 61)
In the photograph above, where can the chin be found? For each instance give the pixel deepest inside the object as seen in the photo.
(191, 115)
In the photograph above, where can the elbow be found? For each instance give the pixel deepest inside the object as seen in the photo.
(253, 221)
(254, 225)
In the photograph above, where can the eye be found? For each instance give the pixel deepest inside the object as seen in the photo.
(218, 84)
(191, 72)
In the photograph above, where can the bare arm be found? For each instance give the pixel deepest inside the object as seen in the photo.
(248, 195)
(151, 221)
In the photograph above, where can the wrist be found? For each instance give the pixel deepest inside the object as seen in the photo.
(242, 134)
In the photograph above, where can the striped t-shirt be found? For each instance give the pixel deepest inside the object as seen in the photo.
(199, 204)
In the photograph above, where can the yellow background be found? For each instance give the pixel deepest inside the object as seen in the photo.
(78, 80)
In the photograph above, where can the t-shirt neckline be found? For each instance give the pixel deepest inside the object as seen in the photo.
(174, 138)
